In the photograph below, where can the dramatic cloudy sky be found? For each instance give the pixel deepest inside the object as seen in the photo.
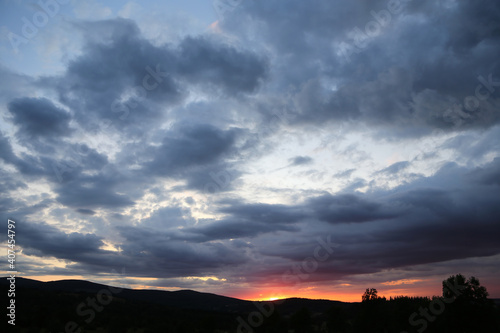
(253, 148)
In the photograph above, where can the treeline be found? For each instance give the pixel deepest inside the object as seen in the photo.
(463, 307)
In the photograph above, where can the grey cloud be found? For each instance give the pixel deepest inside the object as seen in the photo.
(85, 211)
(45, 240)
(300, 160)
(202, 61)
(39, 117)
(26, 164)
(195, 152)
(262, 212)
(394, 168)
(250, 220)
(345, 208)
(7, 183)
(487, 175)
(234, 229)
(87, 192)
(345, 173)
(161, 255)
(245, 221)
(388, 80)
(213, 178)
(168, 217)
(411, 225)
(474, 145)
(356, 184)
(6, 151)
(127, 81)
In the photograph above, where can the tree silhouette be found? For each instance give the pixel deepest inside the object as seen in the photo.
(469, 290)
(468, 308)
(371, 295)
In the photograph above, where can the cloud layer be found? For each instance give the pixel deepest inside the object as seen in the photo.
(218, 159)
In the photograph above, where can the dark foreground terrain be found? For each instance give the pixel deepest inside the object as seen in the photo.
(82, 306)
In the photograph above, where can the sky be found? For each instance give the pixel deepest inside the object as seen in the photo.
(254, 149)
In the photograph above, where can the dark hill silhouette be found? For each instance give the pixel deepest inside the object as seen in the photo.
(181, 299)
(54, 306)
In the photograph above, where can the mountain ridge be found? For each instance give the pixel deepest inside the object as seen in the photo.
(182, 299)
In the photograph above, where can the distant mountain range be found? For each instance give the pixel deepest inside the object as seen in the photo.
(182, 299)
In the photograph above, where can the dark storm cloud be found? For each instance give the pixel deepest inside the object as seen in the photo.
(159, 254)
(102, 89)
(300, 160)
(168, 217)
(345, 208)
(213, 178)
(6, 152)
(387, 79)
(163, 255)
(246, 220)
(197, 153)
(7, 204)
(486, 175)
(26, 164)
(96, 191)
(83, 249)
(122, 81)
(117, 62)
(122, 78)
(39, 117)
(297, 27)
(8, 184)
(48, 241)
(424, 222)
(262, 212)
(250, 220)
(202, 61)
(190, 146)
(474, 145)
(475, 24)
(235, 229)
(432, 225)
(85, 211)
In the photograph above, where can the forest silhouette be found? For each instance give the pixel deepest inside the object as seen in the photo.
(63, 306)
